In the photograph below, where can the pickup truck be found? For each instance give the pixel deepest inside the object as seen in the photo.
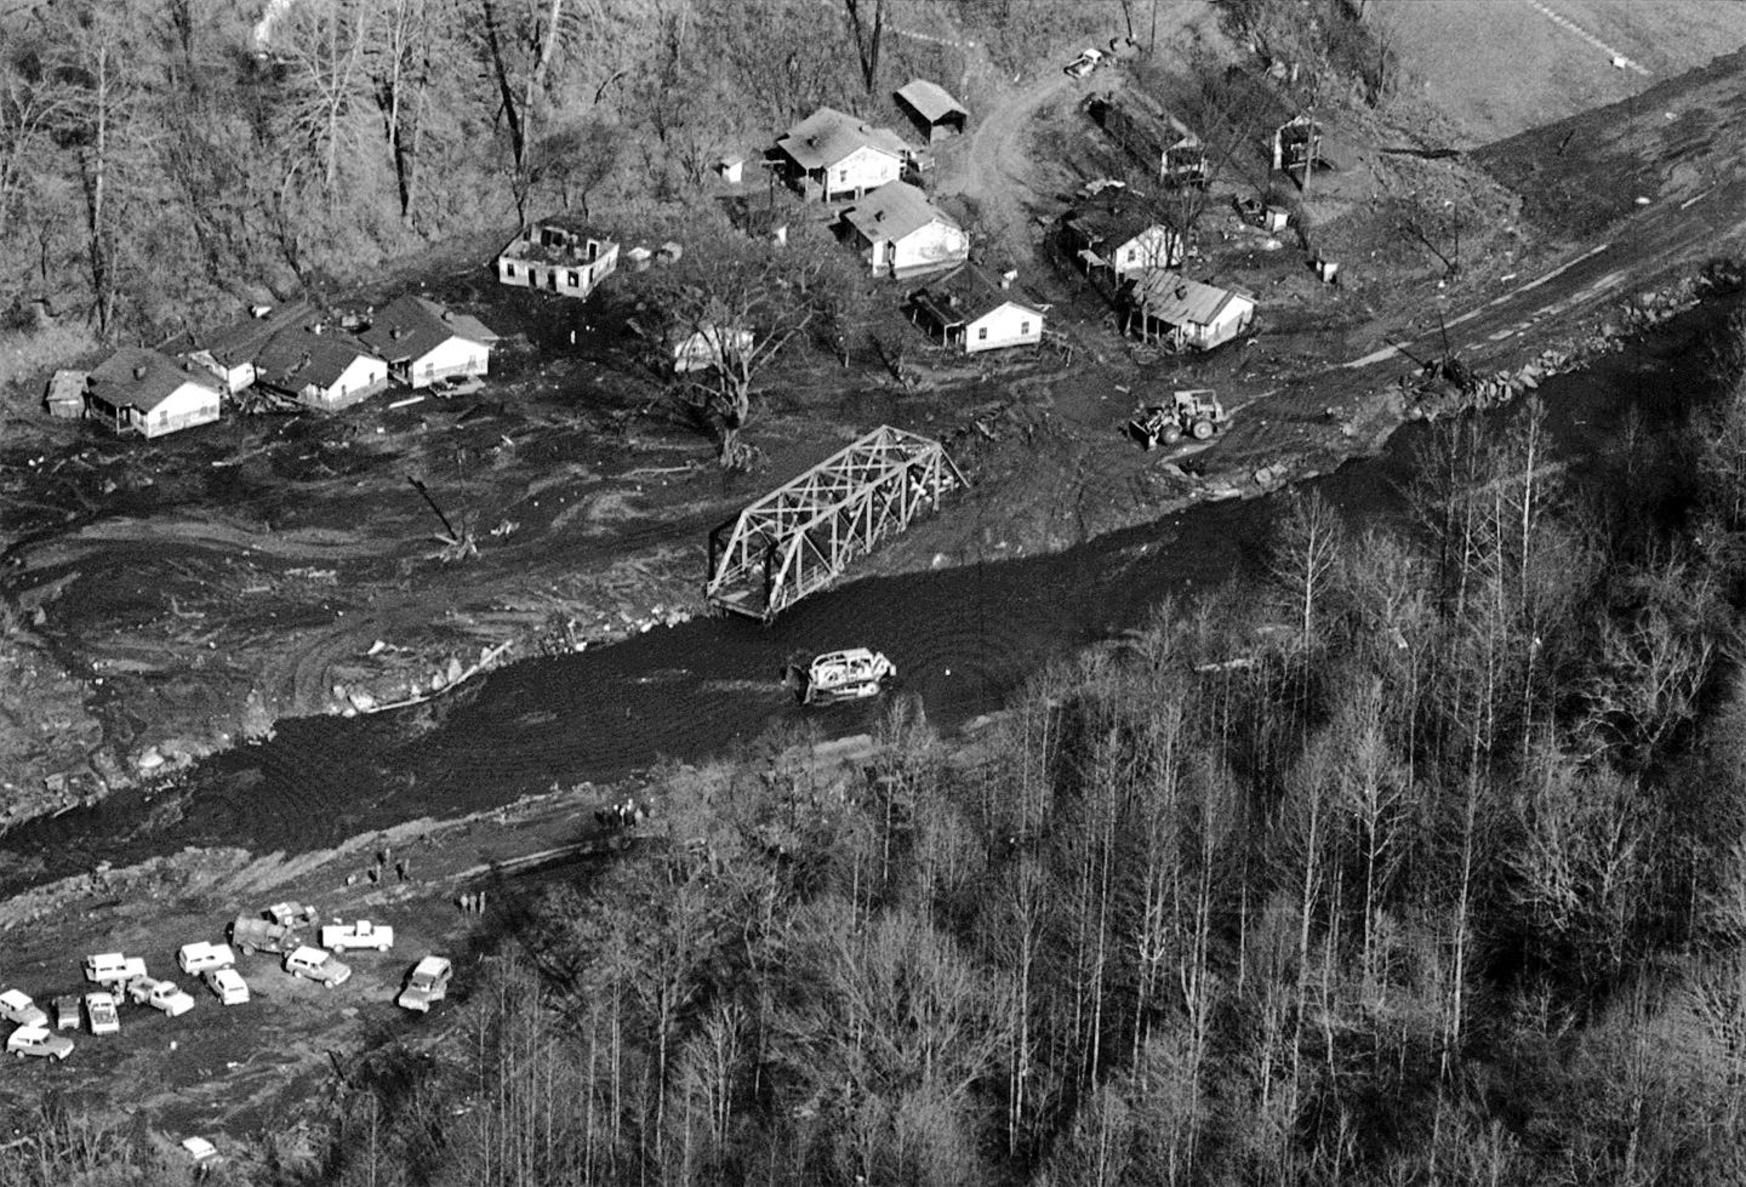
(316, 964)
(259, 935)
(171, 999)
(363, 934)
(101, 1014)
(428, 982)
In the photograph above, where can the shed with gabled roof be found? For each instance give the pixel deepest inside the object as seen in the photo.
(935, 113)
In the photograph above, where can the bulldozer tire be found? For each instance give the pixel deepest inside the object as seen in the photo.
(246, 949)
(1170, 434)
(1202, 430)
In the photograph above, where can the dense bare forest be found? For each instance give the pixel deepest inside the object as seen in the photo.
(160, 162)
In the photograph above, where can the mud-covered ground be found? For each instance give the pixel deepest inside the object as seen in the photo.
(172, 597)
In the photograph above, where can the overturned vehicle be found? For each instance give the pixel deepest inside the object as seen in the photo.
(848, 675)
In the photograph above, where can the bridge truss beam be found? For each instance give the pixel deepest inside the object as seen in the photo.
(802, 536)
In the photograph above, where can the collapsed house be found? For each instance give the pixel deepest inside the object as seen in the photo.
(1165, 307)
(560, 255)
(1152, 136)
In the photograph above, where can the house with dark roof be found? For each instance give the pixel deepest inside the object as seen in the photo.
(229, 351)
(973, 314)
(141, 391)
(935, 113)
(424, 342)
(831, 156)
(1167, 307)
(1113, 234)
(561, 254)
(322, 369)
(900, 233)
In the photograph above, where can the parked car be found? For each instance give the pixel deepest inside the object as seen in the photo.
(203, 1152)
(362, 934)
(458, 385)
(16, 1006)
(100, 1013)
(228, 986)
(173, 1000)
(67, 1011)
(317, 964)
(428, 982)
(1085, 63)
(112, 968)
(203, 956)
(39, 1041)
(261, 935)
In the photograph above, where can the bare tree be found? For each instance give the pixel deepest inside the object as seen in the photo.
(730, 308)
(869, 37)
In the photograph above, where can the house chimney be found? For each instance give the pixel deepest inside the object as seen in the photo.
(395, 333)
(139, 371)
(448, 315)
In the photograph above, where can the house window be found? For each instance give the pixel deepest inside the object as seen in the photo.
(509, 270)
(1133, 254)
(1024, 327)
(842, 175)
(982, 333)
(575, 280)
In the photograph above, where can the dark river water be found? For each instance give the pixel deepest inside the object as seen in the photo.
(963, 639)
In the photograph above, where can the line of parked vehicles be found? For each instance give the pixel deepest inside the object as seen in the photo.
(278, 931)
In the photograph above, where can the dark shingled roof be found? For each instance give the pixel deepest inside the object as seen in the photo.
(894, 210)
(295, 359)
(410, 327)
(828, 135)
(241, 340)
(140, 378)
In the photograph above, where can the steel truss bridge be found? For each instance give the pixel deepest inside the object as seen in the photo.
(800, 537)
